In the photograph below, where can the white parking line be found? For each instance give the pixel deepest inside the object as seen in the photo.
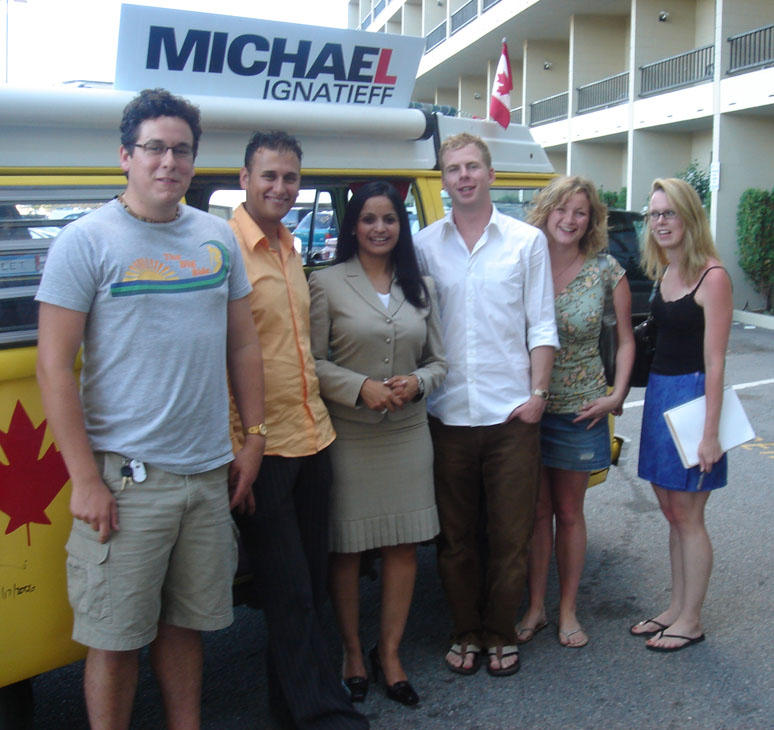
(740, 386)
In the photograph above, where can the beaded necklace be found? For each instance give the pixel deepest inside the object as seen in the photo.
(142, 217)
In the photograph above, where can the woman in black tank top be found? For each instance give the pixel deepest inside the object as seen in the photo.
(693, 308)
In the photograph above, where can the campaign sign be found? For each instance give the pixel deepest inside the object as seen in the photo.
(200, 53)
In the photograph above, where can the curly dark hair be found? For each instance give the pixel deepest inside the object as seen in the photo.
(154, 103)
(404, 259)
(276, 140)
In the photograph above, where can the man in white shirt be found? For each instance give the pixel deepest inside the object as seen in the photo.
(493, 277)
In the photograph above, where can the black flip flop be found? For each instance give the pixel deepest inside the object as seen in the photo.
(647, 634)
(688, 642)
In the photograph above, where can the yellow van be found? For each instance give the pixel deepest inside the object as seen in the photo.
(58, 161)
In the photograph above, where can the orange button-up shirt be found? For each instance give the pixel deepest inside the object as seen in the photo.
(295, 415)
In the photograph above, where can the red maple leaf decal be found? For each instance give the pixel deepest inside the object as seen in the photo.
(28, 484)
(505, 84)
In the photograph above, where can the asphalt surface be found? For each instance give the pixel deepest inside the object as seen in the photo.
(722, 684)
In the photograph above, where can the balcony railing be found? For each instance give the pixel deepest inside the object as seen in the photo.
(446, 109)
(435, 36)
(516, 115)
(604, 93)
(683, 69)
(752, 49)
(488, 4)
(366, 22)
(551, 109)
(379, 7)
(464, 15)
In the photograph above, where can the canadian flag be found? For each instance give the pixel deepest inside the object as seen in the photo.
(500, 104)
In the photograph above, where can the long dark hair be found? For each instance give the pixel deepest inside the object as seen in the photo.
(404, 260)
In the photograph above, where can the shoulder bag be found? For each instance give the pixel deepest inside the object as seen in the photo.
(608, 334)
(644, 347)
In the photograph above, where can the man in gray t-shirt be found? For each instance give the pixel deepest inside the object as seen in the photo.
(156, 293)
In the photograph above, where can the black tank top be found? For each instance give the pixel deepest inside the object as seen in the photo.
(680, 333)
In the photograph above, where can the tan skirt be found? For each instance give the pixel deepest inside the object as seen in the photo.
(383, 490)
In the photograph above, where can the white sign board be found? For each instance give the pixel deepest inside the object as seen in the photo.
(715, 176)
(200, 53)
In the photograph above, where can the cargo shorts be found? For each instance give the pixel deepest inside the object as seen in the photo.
(173, 559)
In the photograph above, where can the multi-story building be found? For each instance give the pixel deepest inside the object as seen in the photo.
(622, 91)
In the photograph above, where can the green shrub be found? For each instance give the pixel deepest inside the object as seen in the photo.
(699, 178)
(613, 199)
(755, 238)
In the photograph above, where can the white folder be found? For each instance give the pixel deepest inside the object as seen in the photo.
(686, 424)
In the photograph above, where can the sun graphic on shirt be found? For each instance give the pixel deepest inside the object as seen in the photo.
(149, 269)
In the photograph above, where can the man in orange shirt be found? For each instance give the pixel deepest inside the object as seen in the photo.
(286, 538)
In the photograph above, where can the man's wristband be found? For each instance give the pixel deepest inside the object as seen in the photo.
(259, 430)
(540, 392)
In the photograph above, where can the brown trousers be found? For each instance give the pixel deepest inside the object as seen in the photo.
(495, 469)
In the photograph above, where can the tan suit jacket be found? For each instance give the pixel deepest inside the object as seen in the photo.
(354, 338)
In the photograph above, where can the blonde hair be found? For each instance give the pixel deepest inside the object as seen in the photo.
(556, 193)
(458, 141)
(697, 243)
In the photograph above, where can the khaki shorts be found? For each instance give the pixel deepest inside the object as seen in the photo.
(172, 560)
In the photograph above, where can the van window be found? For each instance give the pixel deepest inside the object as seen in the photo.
(29, 222)
(315, 217)
(313, 220)
(513, 202)
(317, 233)
(411, 209)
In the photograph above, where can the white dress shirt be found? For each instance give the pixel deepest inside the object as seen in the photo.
(496, 304)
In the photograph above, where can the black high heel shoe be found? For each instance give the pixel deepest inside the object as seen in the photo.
(358, 688)
(401, 692)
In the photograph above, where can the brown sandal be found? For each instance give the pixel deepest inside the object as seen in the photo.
(462, 651)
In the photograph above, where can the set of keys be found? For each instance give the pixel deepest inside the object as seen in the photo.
(131, 472)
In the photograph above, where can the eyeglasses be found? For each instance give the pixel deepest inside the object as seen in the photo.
(159, 149)
(668, 215)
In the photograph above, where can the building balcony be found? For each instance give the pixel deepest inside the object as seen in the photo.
(435, 36)
(460, 18)
(516, 115)
(751, 50)
(684, 69)
(603, 93)
(550, 109)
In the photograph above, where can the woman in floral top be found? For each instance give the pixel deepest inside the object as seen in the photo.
(574, 431)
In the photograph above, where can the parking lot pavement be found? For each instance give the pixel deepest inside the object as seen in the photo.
(725, 683)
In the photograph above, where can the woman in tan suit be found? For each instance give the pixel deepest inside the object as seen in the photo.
(377, 343)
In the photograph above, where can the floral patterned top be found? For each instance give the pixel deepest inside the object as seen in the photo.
(578, 376)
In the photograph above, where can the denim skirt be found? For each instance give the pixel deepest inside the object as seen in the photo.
(573, 446)
(659, 460)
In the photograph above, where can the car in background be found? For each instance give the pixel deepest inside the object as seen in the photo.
(325, 235)
(294, 216)
(624, 234)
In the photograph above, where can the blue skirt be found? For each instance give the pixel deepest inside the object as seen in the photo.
(659, 461)
(573, 446)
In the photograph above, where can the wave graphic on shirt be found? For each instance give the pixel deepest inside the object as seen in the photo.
(174, 274)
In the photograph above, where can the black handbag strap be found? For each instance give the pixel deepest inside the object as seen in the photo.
(653, 290)
(608, 314)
